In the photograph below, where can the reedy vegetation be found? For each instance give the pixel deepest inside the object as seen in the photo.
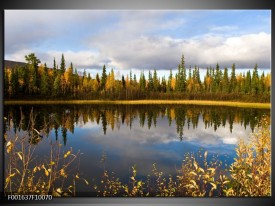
(25, 175)
(40, 82)
(248, 176)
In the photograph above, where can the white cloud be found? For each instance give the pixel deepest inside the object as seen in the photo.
(128, 40)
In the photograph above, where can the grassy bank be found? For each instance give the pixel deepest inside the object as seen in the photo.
(139, 102)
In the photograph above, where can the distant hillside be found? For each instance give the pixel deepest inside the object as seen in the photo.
(13, 64)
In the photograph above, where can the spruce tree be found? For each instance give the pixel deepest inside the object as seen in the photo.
(33, 62)
(62, 64)
(103, 78)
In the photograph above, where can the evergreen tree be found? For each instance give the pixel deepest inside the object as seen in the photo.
(233, 79)
(123, 82)
(150, 82)
(181, 77)
(45, 81)
(225, 81)
(142, 82)
(103, 78)
(62, 64)
(155, 81)
(248, 82)
(33, 62)
(255, 81)
(163, 84)
(54, 68)
(57, 85)
(14, 82)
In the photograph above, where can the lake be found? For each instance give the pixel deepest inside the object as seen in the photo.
(116, 137)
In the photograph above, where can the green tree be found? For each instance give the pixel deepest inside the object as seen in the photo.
(103, 77)
(62, 64)
(225, 81)
(123, 82)
(233, 80)
(142, 82)
(57, 85)
(150, 82)
(45, 87)
(247, 82)
(14, 82)
(155, 81)
(33, 62)
(54, 68)
(181, 76)
(255, 81)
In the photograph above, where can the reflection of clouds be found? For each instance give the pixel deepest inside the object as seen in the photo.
(164, 134)
(142, 146)
(222, 135)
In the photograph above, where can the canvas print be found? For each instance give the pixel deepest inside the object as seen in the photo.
(137, 103)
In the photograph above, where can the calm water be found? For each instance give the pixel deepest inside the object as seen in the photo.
(133, 135)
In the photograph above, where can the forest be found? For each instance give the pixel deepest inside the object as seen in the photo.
(36, 81)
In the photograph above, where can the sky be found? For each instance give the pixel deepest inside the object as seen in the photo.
(140, 40)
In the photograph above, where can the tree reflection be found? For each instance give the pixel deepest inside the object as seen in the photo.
(65, 118)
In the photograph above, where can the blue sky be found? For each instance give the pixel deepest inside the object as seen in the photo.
(140, 40)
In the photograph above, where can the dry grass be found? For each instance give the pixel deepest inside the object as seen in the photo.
(140, 102)
(25, 175)
(249, 175)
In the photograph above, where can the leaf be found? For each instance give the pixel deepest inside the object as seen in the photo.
(212, 169)
(205, 154)
(17, 171)
(9, 177)
(202, 170)
(193, 173)
(226, 182)
(20, 156)
(9, 146)
(36, 131)
(52, 163)
(214, 185)
(47, 173)
(67, 154)
(196, 165)
(193, 182)
(77, 177)
(87, 183)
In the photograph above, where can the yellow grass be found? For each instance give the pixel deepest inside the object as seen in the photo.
(140, 102)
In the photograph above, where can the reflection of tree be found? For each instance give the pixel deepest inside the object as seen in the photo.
(53, 118)
(104, 122)
(64, 135)
(180, 121)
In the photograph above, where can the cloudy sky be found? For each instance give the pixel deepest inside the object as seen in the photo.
(140, 40)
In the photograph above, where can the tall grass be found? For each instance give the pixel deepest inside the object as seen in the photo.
(24, 174)
(249, 175)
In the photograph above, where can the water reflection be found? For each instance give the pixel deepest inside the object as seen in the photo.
(64, 119)
(134, 135)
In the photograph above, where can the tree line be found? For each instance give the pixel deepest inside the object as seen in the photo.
(37, 81)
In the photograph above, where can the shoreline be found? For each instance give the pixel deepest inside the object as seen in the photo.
(143, 102)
